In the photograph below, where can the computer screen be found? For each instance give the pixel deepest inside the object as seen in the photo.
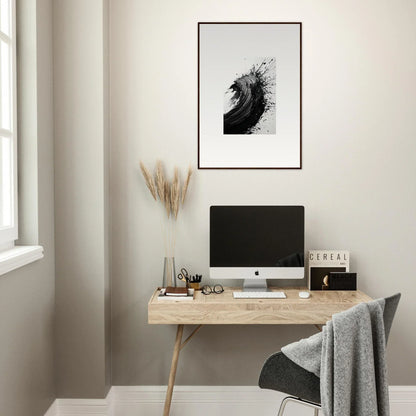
(257, 242)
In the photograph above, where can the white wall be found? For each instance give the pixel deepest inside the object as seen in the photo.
(357, 181)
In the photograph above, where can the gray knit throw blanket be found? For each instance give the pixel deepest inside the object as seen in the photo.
(349, 357)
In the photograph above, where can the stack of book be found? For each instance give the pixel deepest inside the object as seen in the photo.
(176, 293)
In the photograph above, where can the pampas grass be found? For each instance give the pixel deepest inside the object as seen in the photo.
(160, 181)
(186, 184)
(149, 180)
(166, 199)
(171, 196)
(175, 193)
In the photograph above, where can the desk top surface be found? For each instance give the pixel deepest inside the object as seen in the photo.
(219, 309)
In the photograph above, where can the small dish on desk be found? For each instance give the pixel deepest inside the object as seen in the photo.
(304, 295)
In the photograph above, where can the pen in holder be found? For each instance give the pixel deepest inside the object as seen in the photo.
(193, 281)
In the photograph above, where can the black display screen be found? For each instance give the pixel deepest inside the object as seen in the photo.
(257, 236)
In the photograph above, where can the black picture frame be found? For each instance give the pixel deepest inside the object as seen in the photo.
(230, 160)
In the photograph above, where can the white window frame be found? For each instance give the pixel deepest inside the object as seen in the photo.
(10, 234)
(11, 256)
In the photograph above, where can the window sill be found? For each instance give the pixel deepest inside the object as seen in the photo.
(19, 256)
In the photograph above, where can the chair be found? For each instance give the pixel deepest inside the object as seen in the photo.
(282, 374)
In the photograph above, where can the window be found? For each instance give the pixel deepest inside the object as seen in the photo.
(8, 134)
(11, 256)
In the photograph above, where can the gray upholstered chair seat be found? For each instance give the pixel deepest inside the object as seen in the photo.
(282, 374)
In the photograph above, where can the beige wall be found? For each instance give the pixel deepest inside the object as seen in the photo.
(81, 198)
(27, 294)
(357, 181)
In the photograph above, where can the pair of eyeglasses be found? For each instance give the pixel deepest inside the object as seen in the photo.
(207, 290)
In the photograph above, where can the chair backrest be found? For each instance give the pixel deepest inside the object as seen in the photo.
(390, 308)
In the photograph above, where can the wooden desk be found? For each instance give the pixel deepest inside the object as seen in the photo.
(223, 309)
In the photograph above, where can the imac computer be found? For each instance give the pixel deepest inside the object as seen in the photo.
(256, 243)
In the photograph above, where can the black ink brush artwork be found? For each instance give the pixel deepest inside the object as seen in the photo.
(249, 106)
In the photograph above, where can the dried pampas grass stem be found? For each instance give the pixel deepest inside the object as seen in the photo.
(170, 194)
(149, 180)
(175, 193)
(186, 184)
(160, 181)
(167, 201)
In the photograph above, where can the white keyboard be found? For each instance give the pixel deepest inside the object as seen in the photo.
(259, 295)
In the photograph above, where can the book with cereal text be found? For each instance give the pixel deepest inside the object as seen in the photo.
(322, 262)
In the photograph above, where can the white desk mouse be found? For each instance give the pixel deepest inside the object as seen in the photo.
(304, 295)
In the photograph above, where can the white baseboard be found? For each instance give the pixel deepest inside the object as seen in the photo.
(204, 401)
(53, 410)
(403, 400)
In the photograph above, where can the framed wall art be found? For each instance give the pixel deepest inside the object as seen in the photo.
(249, 95)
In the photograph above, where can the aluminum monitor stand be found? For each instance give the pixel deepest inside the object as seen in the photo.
(255, 285)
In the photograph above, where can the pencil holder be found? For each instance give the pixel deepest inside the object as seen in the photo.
(196, 286)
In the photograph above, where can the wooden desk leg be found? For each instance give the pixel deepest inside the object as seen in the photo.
(173, 367)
